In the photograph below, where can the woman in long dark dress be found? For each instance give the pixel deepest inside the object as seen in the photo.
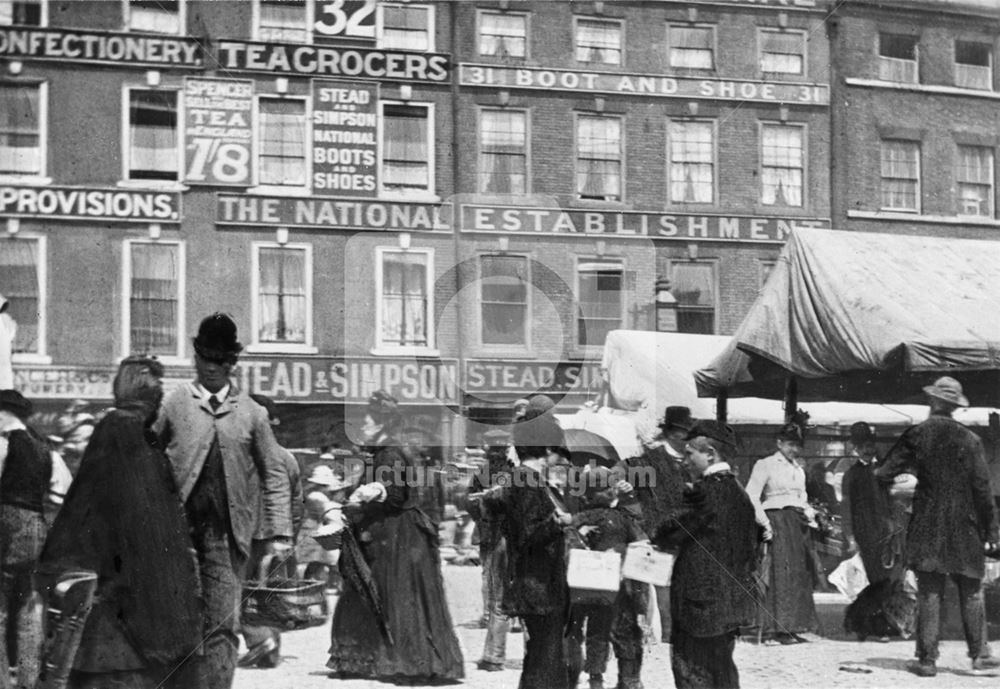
(392, 621)
(124, 520)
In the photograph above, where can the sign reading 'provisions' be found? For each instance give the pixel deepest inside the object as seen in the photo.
(345, 138)
(71, 203)
(642, 84)
(560, 221)
(237, 209)
(95, 46)
(330, 61)
(218, 131)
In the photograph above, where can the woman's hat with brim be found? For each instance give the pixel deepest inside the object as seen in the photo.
(714, 430)
(792, 432)
(216, 338)
(862, 433)
(15, 403)
(948, 389)
(322, 475)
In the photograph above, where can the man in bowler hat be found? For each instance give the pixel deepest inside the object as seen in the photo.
(232, 479)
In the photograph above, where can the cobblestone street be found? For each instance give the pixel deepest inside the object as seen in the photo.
(825, 662)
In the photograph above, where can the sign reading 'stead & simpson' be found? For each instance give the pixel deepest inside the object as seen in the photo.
(345, 138)
(218, 131)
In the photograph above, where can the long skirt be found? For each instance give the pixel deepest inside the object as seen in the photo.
(788, 602)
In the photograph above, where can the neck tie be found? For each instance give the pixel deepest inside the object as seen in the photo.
(214, 402)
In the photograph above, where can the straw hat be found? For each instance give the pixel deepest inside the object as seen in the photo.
(948, 389)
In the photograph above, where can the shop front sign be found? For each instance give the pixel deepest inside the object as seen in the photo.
(507, 379)
(66, 45)
(63, 382)
(82, 203)
(319, 213)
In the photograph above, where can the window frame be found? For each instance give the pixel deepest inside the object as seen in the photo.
(257, 187)
(991, 196)
(526, 112)
(620, 23)
(430, 194)
(581, 261)
(523, 348)
(41, 355)
(181, 20)
(804, 128)
(622, 161)
(715, 161)
(126, 179)
(879, 57)
(43, 20)
(178, 357)
(713, 265)
(989, 66)
(380, 24)
(383, 348)
(483, 11)
(801, 33)
(693, 70)
(258, 347)
(42, 177)
(919, 179)
(308, 19)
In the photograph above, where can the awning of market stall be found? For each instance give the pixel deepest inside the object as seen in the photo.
(866, 317)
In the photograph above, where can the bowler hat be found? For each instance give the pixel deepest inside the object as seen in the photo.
(791, 431)
(862, 433)
(540, 433)
(714, 430)
(948, 389)
(677, 417)
(14, 402)
(538, 405)
(216, 338)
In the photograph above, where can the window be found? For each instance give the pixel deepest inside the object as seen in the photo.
(503, 35)
(691, 47)
(897, 58)
(975, 181)
(407, 149)
(782, 164)
(282, 284)
(154, 16)
(764, 268)
(153, 278)
(782, 52)
(599, 149)
(503, 152)
(504, 299)
(282, 160)
(691, 158)
(22, 282)
(282, 21)
(22, 12)
(21, 120)
(407, 27)
(598, 42)
(405, 308)
(693, 285)
(973, 66)
(599, 296)
(152, 131)
(901, 175)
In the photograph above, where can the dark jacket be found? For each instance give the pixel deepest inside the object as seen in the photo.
(713, 591)
(870, 518)
(658, 480)
(616, 528)
(26, 473)
(953, 509)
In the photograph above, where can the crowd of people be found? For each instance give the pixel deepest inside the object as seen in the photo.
(179, 501)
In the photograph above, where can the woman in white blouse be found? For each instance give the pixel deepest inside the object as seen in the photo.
(777, 488)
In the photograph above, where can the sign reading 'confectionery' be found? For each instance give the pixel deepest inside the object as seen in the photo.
(98, 46)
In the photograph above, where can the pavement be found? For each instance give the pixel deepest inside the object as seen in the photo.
(828, 660)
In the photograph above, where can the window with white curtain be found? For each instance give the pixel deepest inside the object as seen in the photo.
(21, 283)
(502, 34)
(282, 21)
(406, 26)
(975, 181)
(599, 300)
(21, 122)
(404, 298)
(152, 135)
(407, 149)
(901, 175)
(897, 58)
(694, 286)
(153, 280)
(598, 41)
(782, 164)
(973, 65)
(599, 154)
(503, 299)
(283, 128)
(283, 287)
(782, 52)
(691, 156)
(155, 16)
(503, 151)
(691, 47)
(22, 12)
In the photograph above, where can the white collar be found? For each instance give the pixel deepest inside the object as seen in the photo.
(9, 422)
(716, 468)
(671, 451)
(205, 394)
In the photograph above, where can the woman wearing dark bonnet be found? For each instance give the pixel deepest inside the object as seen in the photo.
(123, 519)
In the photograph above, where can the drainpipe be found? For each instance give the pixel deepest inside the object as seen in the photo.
(455, 215)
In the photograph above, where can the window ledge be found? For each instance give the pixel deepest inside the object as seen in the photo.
(923, 88)
(170, 361)
(596, 203)
(28, 358)
(517, 352)
(405, 351)
(280, 348)
(278, 190)
(409, 198)
(27, 180)
(979, 221)
(152, 184)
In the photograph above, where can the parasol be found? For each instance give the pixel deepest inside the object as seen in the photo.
(356, 571)
(586, 446)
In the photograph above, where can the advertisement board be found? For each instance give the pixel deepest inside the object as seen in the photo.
(218, 131)
(345, 138)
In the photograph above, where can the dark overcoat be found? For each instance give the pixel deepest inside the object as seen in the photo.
(658, 481)
(870, 518)
(953, 509)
